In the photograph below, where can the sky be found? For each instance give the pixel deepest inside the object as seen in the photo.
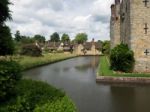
(45, 17)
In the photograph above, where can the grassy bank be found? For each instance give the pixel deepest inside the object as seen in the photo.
(31, 62)
(34, 96)
(104, 70)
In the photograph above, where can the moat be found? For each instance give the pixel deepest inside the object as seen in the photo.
(77, 78)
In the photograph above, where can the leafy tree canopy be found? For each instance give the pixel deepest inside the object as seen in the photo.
(6, 43)
(39, 38)
(4, 11)
(65, 38)
(55, 37)
(81, 38)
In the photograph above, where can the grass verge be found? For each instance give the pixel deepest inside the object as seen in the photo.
(30, 62)
(104, 70)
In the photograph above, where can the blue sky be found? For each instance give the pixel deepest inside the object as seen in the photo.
(63, 16)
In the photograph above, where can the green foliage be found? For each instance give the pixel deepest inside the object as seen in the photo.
(81, 38)
(39, 38)
(55, 37)
(122, 58)
(60, 105)
(17, 36)
(31, 50)
(33, 94)
(106, 47)
(65, 38)
(6, 42)
(27, 40)
(22, 105)
(10, 73)
(28, 62)
(4, 11)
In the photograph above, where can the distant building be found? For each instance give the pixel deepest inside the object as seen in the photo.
(88, 48)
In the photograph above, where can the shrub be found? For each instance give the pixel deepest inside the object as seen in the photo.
(35, 94)
(10, 73)
(60, 105)
(122, 58)
(31, 50)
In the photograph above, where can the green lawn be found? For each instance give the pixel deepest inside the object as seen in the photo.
(104, 70)
(29, 62)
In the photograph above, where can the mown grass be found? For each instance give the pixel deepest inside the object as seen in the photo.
(30, 62)
(104, 67)
(104, 70)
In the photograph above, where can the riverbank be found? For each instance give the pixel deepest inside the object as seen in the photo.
(31, 62)
(106, 75)
(35, 96)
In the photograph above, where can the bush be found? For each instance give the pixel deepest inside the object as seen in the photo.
(60, 105)
(34, 95)
(122, 58)
(31, 50)
(10, 73)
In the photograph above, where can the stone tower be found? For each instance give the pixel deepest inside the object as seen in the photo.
(115, 24)
(135, 31)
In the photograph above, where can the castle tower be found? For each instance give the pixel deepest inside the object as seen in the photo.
(135, 31)
(115, 24)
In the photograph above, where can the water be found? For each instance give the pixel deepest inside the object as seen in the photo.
(77, 78)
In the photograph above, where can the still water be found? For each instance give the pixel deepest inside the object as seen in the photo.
(77, 78)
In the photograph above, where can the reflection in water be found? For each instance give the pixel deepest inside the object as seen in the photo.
(77, 78)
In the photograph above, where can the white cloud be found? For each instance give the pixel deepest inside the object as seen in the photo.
(63, 16)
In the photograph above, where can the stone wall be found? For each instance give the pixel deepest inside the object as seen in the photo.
(115, 25)
(139, 40)
(134, 16)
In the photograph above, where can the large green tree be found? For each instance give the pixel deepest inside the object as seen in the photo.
(4, 11)
(55, 37)
(65, 38)
(6, 42)
(39, 38)
(81, 38)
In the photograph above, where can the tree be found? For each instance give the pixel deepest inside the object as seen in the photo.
(122, 58)
(6, 42)
(4, 11)
(81, 38)
(106, 47)
(39, 38)
(27, 40)
(17, 36)
(55, 37)
(65, 38)
(31, 50)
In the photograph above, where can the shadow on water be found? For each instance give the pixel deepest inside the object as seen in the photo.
(77, 78)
